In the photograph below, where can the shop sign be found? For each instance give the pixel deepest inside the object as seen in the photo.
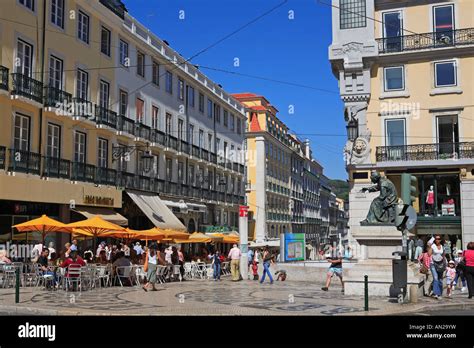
(97, 200)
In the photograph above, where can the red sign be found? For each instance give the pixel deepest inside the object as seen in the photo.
(243, 210)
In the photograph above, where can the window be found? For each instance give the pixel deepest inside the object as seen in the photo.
(156, 73)
(218, 144)
(169, 82)
(180, 129)
(445, 74)
(79, 147)
(191, 175)
(55, 72)
(209, 142)
(21, 138)
(123, 103)
(57, 13)
(105, 41)
(82, 84)
(102, 152)
(140, 64)
(201, 139)
(155, 117)
(123, 53)
(180, 172)
(191, 96)
(239, 126)
(169, 169)
(393, 30)
(123, 160)
(217, 113)
(191, 134)
(395, 132)
(104, 91)
(169, 123)
(232, 122)
(83, 27)
(24, 58)
(30, 4)
(53, 144)
(201, 102)
(443, 23)
(180, 89)
(139, 105)
(226, 118)
(352, 14)
(394, 79)
(209, 108)
(448, 136)
(225, 150)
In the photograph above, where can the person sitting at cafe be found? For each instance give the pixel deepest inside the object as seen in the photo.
(88, 256)
(43, 264)
(121, 261)
(102, 258)
(72, 259)
(3, 257)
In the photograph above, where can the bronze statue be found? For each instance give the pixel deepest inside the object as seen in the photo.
(383, 208)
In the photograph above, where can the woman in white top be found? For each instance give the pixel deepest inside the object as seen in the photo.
(151, 273)
(437, 266)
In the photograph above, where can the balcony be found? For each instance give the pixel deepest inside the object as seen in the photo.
(171, 142)
(157, 137)
(56, 168)
(425, 41)
(24, 162)
(126, 180)
(125, 124)
(212, 157)
(205, 155)
(228, 165)
(235, 167)
(426, 152)
(116, 6)
(106, 176)
(104, 116)
(3, 78)
(183, 147)
(144, 183)
(82, 108)
(142, 131)
(27, 87)
(56, 98)
(83, 172)
(196, 153)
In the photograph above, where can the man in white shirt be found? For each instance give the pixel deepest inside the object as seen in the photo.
(234, 256)
(74, 245)
(168, 254)
(138, 248)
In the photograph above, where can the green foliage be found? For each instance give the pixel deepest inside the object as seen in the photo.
(340, 188)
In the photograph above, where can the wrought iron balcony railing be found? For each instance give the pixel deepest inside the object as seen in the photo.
(3, 156)
(56, 167)
(83, 172)
(172, 142)
(105, 116)
(431, 40)
(241, 168)
(205, 155)
(3, 78)
(106, 176)
(27, 87)
(82, 108)
(183, 147)
(142, 131)
(24, 161)
(116, 6)
(157, 136)
(426, 152)
(125, 124)
(212, 157)
(196, 153)
(55, 97)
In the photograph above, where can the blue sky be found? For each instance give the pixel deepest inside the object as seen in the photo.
(274, 47)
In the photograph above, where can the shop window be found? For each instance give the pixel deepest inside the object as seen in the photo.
(439, 195)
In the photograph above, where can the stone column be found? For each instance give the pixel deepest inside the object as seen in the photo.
(260, 191)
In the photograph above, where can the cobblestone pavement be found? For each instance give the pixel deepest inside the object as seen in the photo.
(202, 297)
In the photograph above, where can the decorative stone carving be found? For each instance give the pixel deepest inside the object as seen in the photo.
(357, 152)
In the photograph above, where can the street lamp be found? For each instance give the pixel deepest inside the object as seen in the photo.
(119, 152)
(352, 129)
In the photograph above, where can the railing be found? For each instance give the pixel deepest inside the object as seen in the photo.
(127, 180)
(24, 161)
(158, 185)
(228, 165)
(56, 167)
(241, 168)
(55, 97)
(235, 167)
(212, 157)
(125, 124)
(425, 152)
(106, 176)
(183, 147)
(82, 108)
(142, 131)
(3, 78)
(431, 40)
(115, 6)
(144, 183)
(83, 172)
(27, 87)
(171, 187)
(105, 116)
(172, 142)
(205, 155)
(196, 152)
(157, 136)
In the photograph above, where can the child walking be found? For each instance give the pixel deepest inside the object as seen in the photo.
(450, 275)
(255, 270)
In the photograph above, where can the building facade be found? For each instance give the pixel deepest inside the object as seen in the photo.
(100, 115)
(405, 72)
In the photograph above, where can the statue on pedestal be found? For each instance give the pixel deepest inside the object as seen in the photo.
(383, 208)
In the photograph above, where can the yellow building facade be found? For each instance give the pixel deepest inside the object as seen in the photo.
(405, 73)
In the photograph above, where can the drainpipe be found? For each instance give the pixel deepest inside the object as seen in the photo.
(43, 43)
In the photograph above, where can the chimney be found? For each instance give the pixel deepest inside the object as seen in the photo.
(307, 149)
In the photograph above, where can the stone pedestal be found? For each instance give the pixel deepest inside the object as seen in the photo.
(376, 245)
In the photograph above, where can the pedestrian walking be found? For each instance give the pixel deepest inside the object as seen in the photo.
(250, 255)
(216, 265)
(450, 275)
(255, 270)
(468, 260)
(150, 266)
(335, 269)
(425, 269)
(267, 262)
(459, 264)
(438, 266)
(234, 256)
(419, 248)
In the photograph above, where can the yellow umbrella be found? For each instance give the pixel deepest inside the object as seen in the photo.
(95, 227)
(43, 225)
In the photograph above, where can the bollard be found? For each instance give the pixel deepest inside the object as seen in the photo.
(17, 285)
(366, 293)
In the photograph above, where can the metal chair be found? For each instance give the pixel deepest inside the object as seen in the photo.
(73, 276)
(160, 274)
(103, 276)
(124, 272)
(140, 275)
(188, 271)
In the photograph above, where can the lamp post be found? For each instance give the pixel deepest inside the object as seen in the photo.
(352, 129)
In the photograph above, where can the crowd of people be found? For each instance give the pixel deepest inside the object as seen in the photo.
(439, 261)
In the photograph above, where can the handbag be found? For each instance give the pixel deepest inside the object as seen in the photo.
(145, 265)
(424, 269)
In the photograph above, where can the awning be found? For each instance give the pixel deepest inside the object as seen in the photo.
(106, 214)
(155, 210)
(172, 204)
(197, 207)
(269, 243)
